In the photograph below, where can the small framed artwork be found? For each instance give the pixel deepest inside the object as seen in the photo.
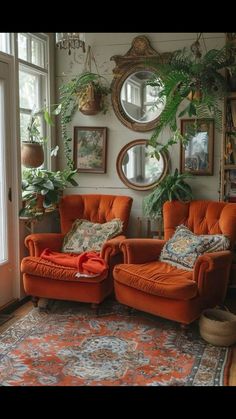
(90, 149)
(196, 156)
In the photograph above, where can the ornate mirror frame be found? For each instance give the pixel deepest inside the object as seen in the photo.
(134, 185)
(133, 61)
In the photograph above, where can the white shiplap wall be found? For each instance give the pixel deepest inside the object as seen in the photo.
(104, 46)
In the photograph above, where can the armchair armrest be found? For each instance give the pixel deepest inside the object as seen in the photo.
(211, 271)
(112, 247)
(141, 250)
(36, 243)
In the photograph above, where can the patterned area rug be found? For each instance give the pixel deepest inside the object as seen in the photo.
(66, 344)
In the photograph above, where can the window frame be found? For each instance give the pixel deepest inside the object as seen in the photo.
(8, 44)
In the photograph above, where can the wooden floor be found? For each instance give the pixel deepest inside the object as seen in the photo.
(17, 314)
(230, 303)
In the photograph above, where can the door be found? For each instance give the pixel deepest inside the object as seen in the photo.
(8, 234)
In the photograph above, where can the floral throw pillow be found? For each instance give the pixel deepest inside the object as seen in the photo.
(87, 236)
(184, 247)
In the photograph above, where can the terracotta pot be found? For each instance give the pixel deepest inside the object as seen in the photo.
(32, 154)
(39, 203)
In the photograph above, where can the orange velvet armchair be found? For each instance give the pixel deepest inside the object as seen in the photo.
(145, 283)
(42, 279)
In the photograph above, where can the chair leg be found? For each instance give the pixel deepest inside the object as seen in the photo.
(95, 307)
(35, 301)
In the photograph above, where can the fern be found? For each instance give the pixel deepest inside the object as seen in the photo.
(184, 75)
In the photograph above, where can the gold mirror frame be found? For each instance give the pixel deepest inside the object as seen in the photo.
(134, 185)
(133, 61)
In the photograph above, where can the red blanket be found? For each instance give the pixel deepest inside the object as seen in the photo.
(88, 263)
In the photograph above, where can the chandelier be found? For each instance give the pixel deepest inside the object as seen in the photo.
(70, 40)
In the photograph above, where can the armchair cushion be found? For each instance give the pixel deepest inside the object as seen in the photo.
(43, 268)
(87, 236)
(184, 247)
(157, 278)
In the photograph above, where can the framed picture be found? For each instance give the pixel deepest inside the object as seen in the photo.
(197, 156)
(90, 147)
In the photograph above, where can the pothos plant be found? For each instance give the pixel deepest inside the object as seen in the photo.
(42, 190)
(195, 83)
(70, 93)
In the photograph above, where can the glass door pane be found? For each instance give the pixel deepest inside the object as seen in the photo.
(3, 218)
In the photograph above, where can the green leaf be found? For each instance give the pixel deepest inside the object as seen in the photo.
(48, 117)
(192, 109)
(58, 109)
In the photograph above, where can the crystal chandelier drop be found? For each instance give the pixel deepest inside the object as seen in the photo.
(70, 41)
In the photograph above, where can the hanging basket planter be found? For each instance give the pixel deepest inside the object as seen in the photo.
(195, 95)
(32, 154)
(90, 101)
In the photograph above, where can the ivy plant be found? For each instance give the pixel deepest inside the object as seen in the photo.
(70, 93)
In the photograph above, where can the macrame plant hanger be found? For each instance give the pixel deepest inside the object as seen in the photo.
(195, 93)
(89, 104)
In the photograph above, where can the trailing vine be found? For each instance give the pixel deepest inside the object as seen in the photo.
(70, 94)
(68, 103)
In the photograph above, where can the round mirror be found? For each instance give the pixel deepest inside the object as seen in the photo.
(136, 104)
(138, 169)
(141, 103)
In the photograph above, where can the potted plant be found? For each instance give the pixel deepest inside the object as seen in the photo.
(42, 190)
(194, 82)
(32, 153)
(89, 92)
(171, 188)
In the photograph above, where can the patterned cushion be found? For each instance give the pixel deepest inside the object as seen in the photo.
(85, 235)
(184, 247)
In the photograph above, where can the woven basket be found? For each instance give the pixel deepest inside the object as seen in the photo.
(218, 327)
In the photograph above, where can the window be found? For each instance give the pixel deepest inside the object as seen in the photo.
(131, 93)
(32, 87)
(32, 49)
(5, 42)
(33, 82)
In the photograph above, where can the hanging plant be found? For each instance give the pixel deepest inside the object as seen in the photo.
(89, 91)
(194, 82)
(32, 148)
